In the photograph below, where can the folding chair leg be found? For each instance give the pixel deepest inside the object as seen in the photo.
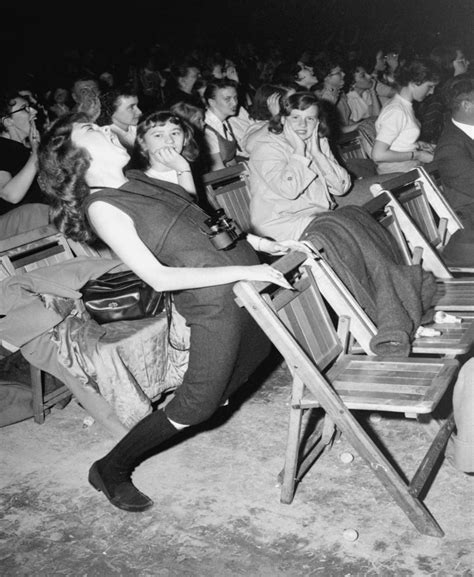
(293, 444)
(37, 385)
(431, 457)
(325, 439)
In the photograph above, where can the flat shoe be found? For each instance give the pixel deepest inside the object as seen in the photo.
(125, 496)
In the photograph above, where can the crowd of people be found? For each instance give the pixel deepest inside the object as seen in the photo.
(119, 153)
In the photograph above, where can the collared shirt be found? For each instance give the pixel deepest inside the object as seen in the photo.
(211, 120)
(466, 128)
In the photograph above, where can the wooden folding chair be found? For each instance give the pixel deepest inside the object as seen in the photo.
(453, 294)
(297, 323)
(349, 146)
(435, 220)
(228, 188)
(455, 339)
(84, 249)
(26, 252)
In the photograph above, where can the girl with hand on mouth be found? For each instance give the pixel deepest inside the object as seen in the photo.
(293, 173)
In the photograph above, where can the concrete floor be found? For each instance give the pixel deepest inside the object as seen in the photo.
(217, 510)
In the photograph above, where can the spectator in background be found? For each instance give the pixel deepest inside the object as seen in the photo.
(180, 85)
(85, 94)
(19, 140)
(222, 103)
(59, 103)
(331, 74)
(433, 112)
(120, 115)
(397, 147)
(454, 154)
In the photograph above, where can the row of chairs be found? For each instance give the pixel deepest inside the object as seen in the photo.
(333, 370)
(325, 373)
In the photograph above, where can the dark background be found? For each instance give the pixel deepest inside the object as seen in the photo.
(36, 35)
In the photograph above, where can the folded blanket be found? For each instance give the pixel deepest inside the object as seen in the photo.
(395, 296)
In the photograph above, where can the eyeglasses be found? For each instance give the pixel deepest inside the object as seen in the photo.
(26, 107)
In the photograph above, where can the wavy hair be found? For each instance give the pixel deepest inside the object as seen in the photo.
(417, 71)
(141, 156)
(110, 100)
(300, 101)
(61, 176)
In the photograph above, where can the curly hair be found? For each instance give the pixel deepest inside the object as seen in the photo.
(300, 101)
(61, 175)
(110, 100)
(140, 156)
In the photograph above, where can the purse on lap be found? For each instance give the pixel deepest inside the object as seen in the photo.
(121, 296)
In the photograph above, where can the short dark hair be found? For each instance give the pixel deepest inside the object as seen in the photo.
(110, 100)
(419, 70)
(457, 90)
(218, 84)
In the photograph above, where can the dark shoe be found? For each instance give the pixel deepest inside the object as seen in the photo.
(124, 495)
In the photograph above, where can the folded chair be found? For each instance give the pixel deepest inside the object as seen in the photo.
(26, 252)
(423, 202)
(454, 293)
(324, 376)
(228, 188)
(455, 339)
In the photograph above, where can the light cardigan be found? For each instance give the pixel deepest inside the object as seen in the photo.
(288, 189)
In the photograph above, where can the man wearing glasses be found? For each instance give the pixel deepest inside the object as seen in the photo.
(19, 140)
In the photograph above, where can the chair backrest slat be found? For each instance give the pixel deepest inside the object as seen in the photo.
(229, 189)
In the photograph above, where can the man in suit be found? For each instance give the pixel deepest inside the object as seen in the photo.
(454, 154)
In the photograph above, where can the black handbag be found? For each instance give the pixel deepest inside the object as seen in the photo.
(121, 296)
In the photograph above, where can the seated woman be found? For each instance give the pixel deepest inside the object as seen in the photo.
(329, 71)
(19, 140)
(156, 228)
(266, 105)
(293, 173)
(119, 115)
(222, 103)
(396, 147)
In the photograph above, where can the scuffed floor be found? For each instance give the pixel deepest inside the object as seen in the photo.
(217, 511)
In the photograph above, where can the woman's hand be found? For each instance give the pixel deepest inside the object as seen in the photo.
(280, 248)
(273, 103)
(265, 273)
(33, 137)
(424, 156)
(170, 158)
(314, 140)
(293, 139)
(426, 146)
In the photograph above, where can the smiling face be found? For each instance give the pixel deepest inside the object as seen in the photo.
(127, 112)
(164, 135)
(101, 150)
(303, 122)
(224, 103)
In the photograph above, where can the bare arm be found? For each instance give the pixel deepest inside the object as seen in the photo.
(381, 153)
(14, 188)
(118, 230)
